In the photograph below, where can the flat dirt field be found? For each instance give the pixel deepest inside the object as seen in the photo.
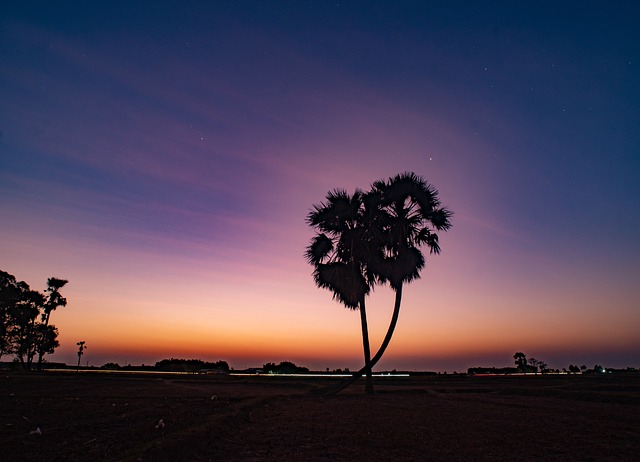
(95, 417)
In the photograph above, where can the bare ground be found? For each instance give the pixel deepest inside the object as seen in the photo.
(103, 417)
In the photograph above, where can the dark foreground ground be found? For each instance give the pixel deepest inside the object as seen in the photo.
(95, 417)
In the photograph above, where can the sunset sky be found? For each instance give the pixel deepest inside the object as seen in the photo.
(163, 157)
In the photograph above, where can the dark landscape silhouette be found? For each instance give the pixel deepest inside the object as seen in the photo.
(209, 416)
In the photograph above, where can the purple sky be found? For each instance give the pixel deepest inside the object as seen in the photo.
(163, 156)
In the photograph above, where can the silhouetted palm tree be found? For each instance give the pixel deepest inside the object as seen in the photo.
(339, 253)
(404, 213)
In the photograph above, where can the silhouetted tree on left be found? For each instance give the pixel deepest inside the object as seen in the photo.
(24, 319)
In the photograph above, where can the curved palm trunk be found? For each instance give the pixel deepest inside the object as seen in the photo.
(385, 343)
(367, 352)
(391, 329)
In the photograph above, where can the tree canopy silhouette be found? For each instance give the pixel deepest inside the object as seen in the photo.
(53, 301)
(379, 243)
(21, 334)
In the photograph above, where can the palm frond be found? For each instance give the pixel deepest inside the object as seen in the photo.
(319, 249)
(346, 282)
(441, 218)
(340, 211)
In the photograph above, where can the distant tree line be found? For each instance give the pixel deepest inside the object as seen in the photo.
(285, 367)
(175, 365)
(25, 331)
(288, 367)
(190, 365)
(528, 365)
(492, 370)
(533, 366)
